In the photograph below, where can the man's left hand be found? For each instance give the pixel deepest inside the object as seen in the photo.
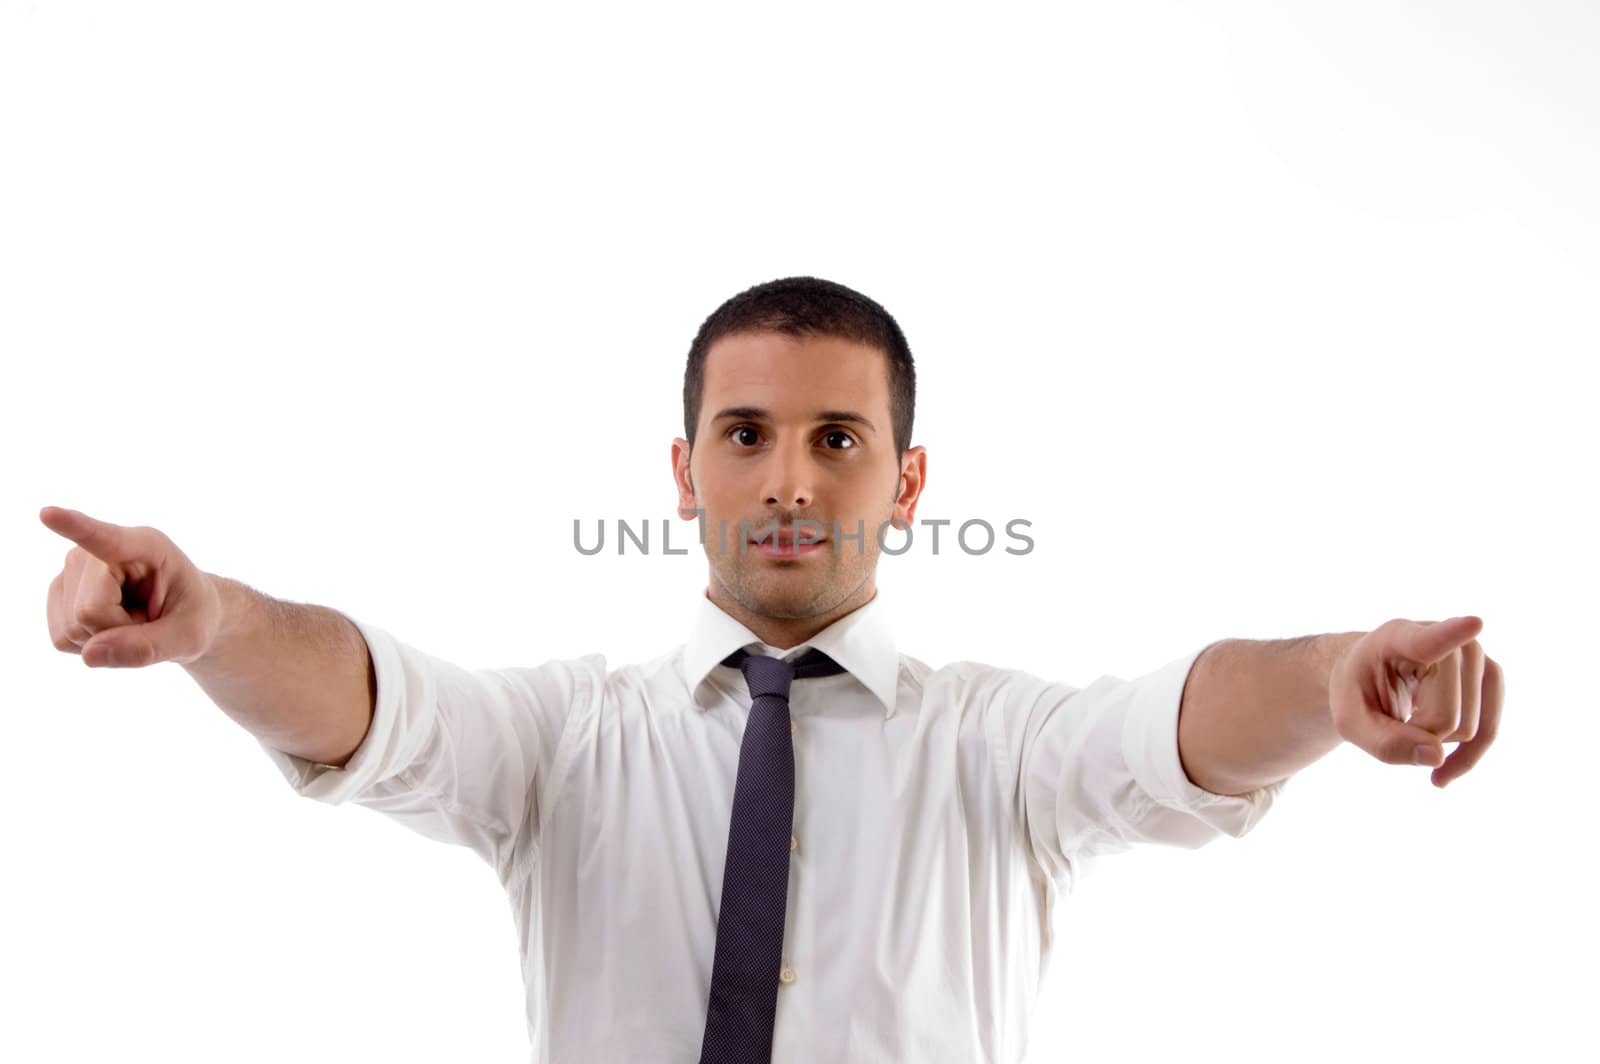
(1411, 684)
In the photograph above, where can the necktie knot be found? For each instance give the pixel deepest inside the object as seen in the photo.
(772, 676)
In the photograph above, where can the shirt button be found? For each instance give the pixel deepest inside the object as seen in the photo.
(794, 727)
(786, 975)
(794, 843)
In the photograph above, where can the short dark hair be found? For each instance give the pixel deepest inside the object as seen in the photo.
(805, 307)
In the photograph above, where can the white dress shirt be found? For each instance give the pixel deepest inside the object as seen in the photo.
(938, 814)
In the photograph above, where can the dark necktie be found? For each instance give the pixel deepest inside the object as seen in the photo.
(755, 879)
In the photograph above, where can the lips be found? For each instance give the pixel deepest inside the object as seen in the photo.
(788, 543)
(787, 539)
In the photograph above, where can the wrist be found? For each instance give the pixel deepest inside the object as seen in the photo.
(1332, 649)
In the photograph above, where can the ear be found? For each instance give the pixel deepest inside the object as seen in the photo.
(913, 478)
(688, 507)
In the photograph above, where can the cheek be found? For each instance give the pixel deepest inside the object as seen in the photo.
(713, 495)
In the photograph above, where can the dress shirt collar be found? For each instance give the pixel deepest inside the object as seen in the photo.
(860, 641)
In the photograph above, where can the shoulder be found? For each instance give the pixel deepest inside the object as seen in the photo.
(598, 686)
(585, 671)
(980, 684)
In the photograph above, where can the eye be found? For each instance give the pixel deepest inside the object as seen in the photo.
(741, 428)
(850, 440)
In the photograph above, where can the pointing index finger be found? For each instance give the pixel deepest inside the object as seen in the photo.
(108, 542)
(1431, 642)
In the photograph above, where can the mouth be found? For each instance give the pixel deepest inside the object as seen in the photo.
(788, 543)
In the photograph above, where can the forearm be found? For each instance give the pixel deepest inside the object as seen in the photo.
(1256, 711)
(296, 676)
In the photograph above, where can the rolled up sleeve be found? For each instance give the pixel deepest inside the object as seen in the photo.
(1183, 813)
(467, 757)
(1098, 770)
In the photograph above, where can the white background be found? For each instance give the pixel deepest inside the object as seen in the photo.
(1273, 319)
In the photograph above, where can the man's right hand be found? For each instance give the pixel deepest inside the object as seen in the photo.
(128, 597)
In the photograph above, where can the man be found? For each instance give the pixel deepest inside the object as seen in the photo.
(784, 839)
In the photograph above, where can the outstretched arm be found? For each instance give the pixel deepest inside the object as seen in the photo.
(1255, 712)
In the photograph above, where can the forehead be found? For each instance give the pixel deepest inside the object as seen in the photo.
(786, 373)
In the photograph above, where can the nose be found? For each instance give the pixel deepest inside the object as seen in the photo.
(789, 476)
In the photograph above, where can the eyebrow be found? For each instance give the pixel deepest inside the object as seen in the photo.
(756, 413)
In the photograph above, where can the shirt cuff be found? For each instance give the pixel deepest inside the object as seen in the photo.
(399, 726)
(1150, 747)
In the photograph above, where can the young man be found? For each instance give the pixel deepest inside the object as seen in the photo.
(783, 839)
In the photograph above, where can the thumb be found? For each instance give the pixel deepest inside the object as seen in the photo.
(1390, 740)
(134, 646)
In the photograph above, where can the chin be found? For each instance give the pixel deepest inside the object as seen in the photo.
(780, 597)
